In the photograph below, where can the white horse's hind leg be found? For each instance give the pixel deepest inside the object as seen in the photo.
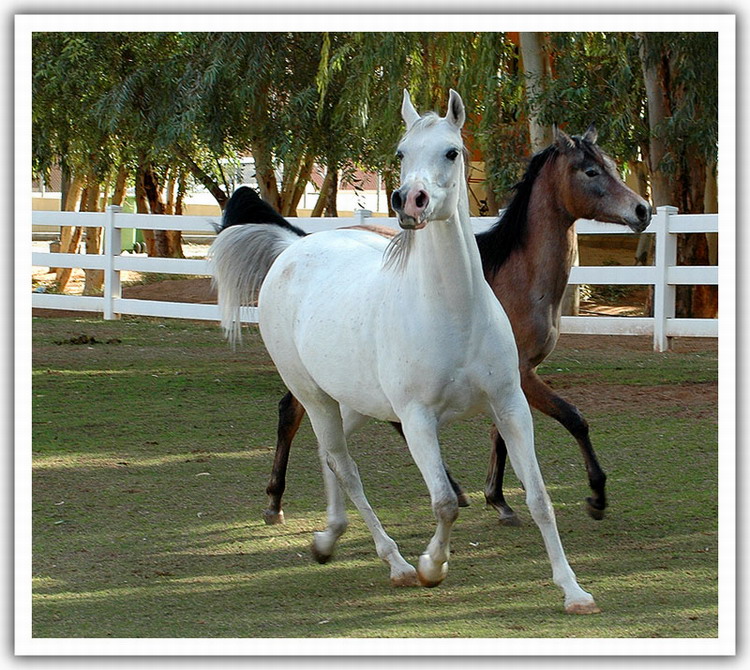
(327, 424)
(421, 436)
(325, 541)
(515, 425)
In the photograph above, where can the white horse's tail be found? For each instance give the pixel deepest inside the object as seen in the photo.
(240, 259)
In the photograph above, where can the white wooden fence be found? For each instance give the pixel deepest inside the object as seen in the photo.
(664, 275)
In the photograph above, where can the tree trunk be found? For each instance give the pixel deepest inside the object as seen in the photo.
(638, 181)
(141, 207)
(265, 175)
(654, 75)
(536, 69)
(332, 195)
(70, 236)
(685, 186)
(171, 193)
(329, 183)
(120, 189)
(292, 169)
(181, 190)
(204, 178)
(711, 206)
(65, 181)
(94, 279)
(168, 243)
(297, 190)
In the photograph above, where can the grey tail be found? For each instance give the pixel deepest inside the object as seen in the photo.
(240, 259)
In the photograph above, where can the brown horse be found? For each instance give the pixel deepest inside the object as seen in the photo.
(526, 257)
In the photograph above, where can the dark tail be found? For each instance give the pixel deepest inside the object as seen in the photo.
(246, 206)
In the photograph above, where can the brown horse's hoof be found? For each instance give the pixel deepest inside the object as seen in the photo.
(583, 608)
(406, 579)
(595, 512)
(505, 515)
(273, 518)
(509, 520)
(463, 500)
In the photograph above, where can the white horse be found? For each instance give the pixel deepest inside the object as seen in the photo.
(408, 331)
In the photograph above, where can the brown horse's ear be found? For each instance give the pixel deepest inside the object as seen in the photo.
(562, 140)
(591, 134)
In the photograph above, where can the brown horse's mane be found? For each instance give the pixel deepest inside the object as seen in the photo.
(498, 242)
(508, 234)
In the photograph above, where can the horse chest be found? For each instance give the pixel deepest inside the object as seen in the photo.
(453, 365)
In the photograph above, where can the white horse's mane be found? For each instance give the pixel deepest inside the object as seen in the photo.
(398, 251)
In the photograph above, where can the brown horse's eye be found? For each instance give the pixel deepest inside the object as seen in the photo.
(591, 172)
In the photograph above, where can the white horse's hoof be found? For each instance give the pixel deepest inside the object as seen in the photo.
(431, 574)
(322, 547)
(582, 607)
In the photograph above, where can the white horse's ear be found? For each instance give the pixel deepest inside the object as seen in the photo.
(456, 113)
(408, 113)
(591, 134)
(562, 140)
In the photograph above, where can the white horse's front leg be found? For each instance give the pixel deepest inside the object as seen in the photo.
(420, 432)
(515, 425)
(327, 425)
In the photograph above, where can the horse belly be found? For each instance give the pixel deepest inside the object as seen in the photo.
(316, 318)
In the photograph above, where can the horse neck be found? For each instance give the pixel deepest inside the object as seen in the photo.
(550, 242)
(446, 261)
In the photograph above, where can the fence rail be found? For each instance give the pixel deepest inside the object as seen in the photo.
(664, 275)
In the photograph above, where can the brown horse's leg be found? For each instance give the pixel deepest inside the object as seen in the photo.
(463, 499)
(291, 412)
(493, 488)
(543, 398)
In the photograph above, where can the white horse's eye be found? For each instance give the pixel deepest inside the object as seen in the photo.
(452, 154)
(399, 154)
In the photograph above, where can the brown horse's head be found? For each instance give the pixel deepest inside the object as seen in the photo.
(590, 187)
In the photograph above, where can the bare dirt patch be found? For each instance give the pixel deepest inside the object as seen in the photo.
(700, 399)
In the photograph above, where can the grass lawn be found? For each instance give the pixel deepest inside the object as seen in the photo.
(153, 441)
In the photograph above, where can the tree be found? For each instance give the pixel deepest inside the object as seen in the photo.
(69, 73)
(160, 106)
(680, 75)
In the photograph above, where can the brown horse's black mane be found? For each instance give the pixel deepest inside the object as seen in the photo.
(498, 242)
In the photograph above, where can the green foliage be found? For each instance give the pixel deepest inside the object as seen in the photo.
(598, 80)
(104, 98)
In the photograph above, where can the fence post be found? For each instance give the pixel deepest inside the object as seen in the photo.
(665, 256)
(112, 249)
(360, 215)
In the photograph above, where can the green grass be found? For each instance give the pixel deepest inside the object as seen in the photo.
(151, 455)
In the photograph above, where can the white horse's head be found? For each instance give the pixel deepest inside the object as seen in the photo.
(432, 164)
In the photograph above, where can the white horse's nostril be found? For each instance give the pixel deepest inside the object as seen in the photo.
(416, 202)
